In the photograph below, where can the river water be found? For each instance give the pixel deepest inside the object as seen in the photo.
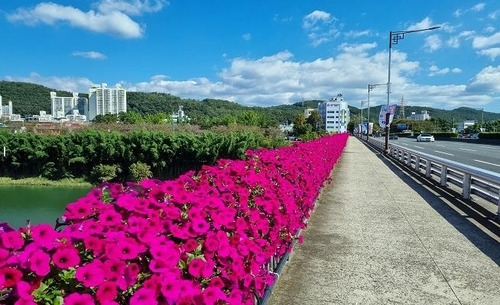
(39, 204)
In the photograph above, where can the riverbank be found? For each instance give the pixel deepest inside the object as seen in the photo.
(45, 182)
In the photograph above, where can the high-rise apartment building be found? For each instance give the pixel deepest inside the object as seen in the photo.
(63, 106)
(104, 100)
(5, 110)
(335, 114)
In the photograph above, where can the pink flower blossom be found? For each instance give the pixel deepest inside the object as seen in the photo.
(79, 299)
(211, 295)
(12, 240)
(91, 274)
(66, 257)
(45, 235)
(143, 297)
(106, 292)
(39, 262)
(9, 277)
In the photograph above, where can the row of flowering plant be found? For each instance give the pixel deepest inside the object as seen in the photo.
(204, 238)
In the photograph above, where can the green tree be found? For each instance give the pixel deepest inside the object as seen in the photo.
(315, 120)
(139, 171)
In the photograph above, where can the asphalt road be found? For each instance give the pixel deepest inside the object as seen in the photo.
(477, 155)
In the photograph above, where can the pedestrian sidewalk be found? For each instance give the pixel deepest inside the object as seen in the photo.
(377, 236)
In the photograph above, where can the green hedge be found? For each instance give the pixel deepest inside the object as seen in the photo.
(91, 153)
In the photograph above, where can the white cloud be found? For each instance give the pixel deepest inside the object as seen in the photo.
(320, 27)
(494, 15)
(131, 7)
(316, 18)
(71, 84)
(261, 81)
(355, 34)
(432, 43)
(480, 42)
(434, 70)
(492, 53)
(357, 48)
(247, 36)
(478, 7)
(424, 24)
(110, 18)
(89, 54)
(487, 80)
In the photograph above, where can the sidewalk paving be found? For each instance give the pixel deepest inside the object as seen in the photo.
(377, 236)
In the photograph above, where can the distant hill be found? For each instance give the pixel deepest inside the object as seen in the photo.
(456, 115)
(29, 99)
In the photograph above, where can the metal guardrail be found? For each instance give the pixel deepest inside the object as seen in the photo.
(471, 180)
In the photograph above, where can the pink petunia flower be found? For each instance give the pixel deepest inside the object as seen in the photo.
(113, 268)
(79, 299)
(9, 277)
(12, 240)
(143, 296)
(110, 218)
(195, 267)
(4, 255)
(94, 244)
(212, 295)
(80, 209)
(66, 257)
(44, 235)
(91, 274)
(106, 292)
(39, 262)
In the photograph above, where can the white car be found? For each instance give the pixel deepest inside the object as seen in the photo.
(425, 137)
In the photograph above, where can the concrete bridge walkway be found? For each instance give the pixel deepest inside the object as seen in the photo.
(381, 236)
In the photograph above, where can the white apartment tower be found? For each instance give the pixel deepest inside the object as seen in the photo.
(5, 110)
(335, 114)
(104, 100)
(67, 105)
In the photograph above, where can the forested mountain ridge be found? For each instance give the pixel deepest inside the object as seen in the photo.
(29, 99)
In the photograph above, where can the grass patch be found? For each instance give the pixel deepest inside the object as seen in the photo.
(36, 181)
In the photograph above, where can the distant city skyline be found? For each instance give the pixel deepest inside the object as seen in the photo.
(259, 53)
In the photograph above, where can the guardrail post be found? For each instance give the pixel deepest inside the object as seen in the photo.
(466, 186)
(428, 169)
(498, 205)
(444, 172)
(417, 163)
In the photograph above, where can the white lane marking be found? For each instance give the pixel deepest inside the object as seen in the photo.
(444, 153)
(489, 163)
(468, 149)
(419, 147)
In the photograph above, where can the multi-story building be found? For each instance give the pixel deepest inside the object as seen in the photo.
(179, 116)
(104, 100)
(64, 105)
(335, 114)
(461, 126)
(5, 110)
(422, 116)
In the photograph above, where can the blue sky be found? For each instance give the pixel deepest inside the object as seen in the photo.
(259, 52)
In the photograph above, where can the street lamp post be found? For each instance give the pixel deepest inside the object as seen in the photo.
(361, 120)
(394, 37)
(370, 88)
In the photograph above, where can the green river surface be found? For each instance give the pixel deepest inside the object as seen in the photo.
(39, 204)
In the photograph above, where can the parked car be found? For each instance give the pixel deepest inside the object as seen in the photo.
(393, 136)
(425, 137)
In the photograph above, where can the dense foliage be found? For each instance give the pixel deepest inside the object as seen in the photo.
(27, 98)
(205, 238)
(116, 156)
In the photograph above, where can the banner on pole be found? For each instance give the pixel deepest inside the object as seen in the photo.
(382, 116)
